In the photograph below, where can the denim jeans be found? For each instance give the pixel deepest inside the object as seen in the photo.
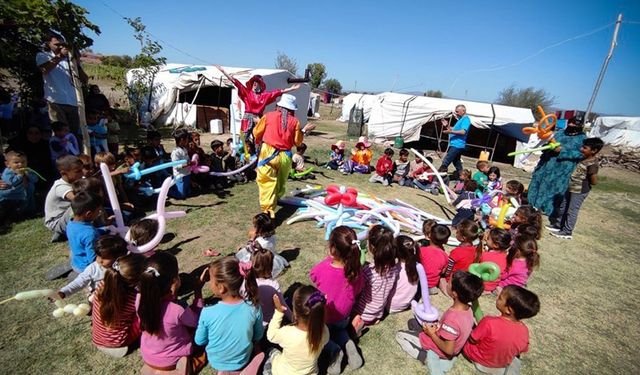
(568, 212)
(338, 337)
(453, 156)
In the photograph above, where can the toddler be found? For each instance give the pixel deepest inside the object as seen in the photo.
(155, 140)
(498, 341)
(18, 198)
(433, 257)
(262, 267)
(142, 232)
(438, 343)
(462, 256)
(401, 168)
(167, 326)
(360, 158)
(465, 176)
(480, 176)
(494, 182)
(340, 278)
(81, 233)
(62, 143)
(230, 328)
(114, 324)
(407, 285)
(522, 259)
(336, 158)
(384, 168)
(97, 132)
(302, 341)
(464, 208)
(108, 248)
(379, 277)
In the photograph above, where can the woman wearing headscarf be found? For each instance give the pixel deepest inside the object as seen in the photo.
(550, 178)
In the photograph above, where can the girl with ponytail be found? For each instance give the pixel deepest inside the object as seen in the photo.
(339, 277)
(115, 325)
(302, 341)
(230, 328)
(167, 326)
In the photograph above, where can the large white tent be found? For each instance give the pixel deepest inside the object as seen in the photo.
(617, 131)
(166, 107)
(360, 101)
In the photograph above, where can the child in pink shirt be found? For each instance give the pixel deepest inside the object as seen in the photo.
(462, 256)
(494, 248)
(379, 278)
(407, 284)
(433, 257)
(441, 342)
(339, 277)
(167, 327)
(522, 259)
(497, 341)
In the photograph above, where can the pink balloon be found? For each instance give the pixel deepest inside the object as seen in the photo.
(424, 313)
(195, 168)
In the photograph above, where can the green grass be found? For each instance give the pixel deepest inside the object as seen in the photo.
(588, 287)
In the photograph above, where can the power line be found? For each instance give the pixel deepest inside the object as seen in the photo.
(540, 51)
(155, 36)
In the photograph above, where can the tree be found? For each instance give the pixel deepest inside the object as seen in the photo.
(123, 61)
(284, 62)
(148, 64)
(24, 26)
(333, 86)
(318, 74)
(433, 93)
(527, 98)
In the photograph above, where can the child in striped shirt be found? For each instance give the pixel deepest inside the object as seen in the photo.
(380, 278)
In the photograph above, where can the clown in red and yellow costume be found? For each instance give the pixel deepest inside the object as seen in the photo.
(255, 99)
(277, 132)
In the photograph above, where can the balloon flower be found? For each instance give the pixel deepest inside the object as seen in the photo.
(487, 271)
(424, 312)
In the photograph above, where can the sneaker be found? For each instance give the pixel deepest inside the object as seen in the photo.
(58, 237)
(561, 235)
(335, 368)
(414, 351)
(552, 228)
(353, 356)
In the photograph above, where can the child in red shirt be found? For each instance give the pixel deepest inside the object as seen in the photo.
(438, 343)
(462, 256)
(433, 257)
(494, 248)
(384, 168)
(497, 341)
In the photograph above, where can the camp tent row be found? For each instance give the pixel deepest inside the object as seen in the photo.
(417, 119)
(617, 130)
(193, 95)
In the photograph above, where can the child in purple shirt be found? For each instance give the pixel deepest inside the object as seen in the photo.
(339, 278)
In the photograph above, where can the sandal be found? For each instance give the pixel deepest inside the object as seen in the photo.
(211, 253)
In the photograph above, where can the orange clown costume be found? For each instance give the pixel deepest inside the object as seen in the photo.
(278, 131)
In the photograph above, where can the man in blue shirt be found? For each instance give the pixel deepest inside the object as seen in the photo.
(457, 139)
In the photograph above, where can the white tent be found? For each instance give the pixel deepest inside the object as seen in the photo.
(360, 101)
(617, 131)
(174, 79)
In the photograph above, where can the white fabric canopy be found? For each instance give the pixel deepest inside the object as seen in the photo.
(361, 101)
(617, 131)
(403, 115)
(166, 110)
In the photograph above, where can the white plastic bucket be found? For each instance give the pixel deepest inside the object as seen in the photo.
(215, 126)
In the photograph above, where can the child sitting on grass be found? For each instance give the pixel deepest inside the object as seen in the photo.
(494, 247)
(336, 158)
(401, 168)
(480, 176)
(494, 182)
(462, 256)
(433, 257)
(298, 161)
(18, 198)
(582, 179)
(182, 174)
(81, 233)
(115, 326)
(437, 344)
(108, 248)
(407, 285)
(263, 233)
(302, 341)
(523, 257)
(167, 325)
(465, 176)
(360, 158)
(57, 207)
(465, 210)
(384, 168)
(497, 341)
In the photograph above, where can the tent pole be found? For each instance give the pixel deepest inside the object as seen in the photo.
(495, 143)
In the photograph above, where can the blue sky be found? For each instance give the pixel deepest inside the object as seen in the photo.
(403, 45)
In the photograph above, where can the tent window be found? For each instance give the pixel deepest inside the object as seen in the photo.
(213, 96)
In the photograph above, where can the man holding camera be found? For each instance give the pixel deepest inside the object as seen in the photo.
(457, 139)
(58, 82)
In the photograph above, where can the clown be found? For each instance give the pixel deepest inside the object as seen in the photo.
(278, 132)
(255, 99)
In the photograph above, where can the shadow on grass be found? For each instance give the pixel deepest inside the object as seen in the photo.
(283, 214)
(448, 213)
(175, 249)
(290, 254)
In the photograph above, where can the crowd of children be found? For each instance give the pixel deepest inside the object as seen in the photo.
(135, 298)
